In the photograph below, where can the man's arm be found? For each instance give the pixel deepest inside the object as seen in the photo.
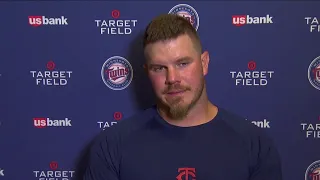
(267, 160)
(102, 163)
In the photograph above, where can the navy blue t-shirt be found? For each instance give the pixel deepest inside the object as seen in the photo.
(146, 147)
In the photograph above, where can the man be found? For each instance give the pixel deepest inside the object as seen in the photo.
(184, 136)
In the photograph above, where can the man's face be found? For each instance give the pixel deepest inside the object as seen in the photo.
(176, 70)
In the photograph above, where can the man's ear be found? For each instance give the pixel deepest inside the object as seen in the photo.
(205, 59)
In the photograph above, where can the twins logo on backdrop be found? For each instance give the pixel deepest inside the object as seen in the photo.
(116, 26)
(54, 172)
(313, 171)
(312, 130)
(117, 116)
(117, 73)
(313, 23)
(187, 12)
(240, 20)
(252, 77)
(314, 73)
(51, 77)
(43, 20)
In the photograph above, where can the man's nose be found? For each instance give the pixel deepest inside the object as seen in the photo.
(173, 76)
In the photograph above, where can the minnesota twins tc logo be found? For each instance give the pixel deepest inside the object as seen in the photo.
(117, 73)
(185, 172)
(314, 73)
(187, 12)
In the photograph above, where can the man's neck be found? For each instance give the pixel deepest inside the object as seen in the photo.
(203, 112)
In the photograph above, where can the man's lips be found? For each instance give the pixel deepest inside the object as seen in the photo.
(175, 92)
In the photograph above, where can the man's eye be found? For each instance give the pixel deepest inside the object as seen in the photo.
(183, 64)
(157, 68)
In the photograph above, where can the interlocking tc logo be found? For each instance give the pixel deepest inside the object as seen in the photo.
(184, 173)
(1, 172)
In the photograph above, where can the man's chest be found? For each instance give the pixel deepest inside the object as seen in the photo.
(196, 161)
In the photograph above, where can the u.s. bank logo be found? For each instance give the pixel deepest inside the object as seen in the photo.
(117, 73)
(314, 73)
(187, 12)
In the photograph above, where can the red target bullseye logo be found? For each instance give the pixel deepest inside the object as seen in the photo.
(252, 65)
(117, 116)
(53, 165)
(115, 13)
(51, 65)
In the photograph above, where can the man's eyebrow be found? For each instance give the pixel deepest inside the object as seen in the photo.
(185, 58)
(154, 64)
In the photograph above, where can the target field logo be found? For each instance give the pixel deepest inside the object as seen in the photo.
(314, 73)
(51, 65)
(117, 73)
(115, 13)
(252, 65)
(187, 12)
(54, 172)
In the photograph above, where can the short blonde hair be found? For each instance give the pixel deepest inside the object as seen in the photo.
(170, 26)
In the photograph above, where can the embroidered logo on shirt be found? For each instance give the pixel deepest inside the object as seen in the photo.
(185, 173)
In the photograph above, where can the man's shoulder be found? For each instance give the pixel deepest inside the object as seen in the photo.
(241, 125)
(262, 149)
(255, 138)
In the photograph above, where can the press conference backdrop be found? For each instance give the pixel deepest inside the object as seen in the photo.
(69, 70)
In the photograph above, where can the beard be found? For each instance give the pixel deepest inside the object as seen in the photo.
(174, 107)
